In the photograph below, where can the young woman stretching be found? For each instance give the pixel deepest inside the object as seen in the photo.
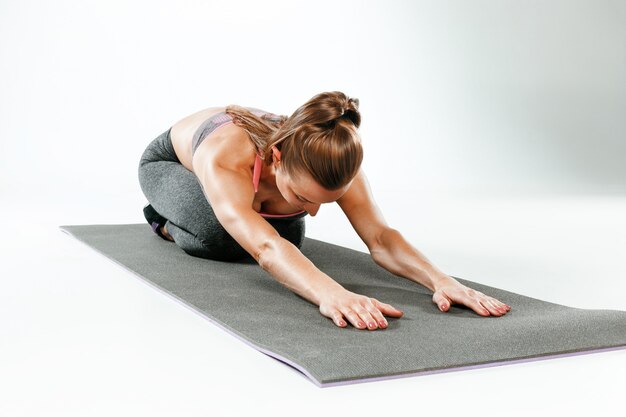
(235, 182)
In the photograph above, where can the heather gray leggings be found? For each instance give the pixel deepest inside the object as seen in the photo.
(176, 194)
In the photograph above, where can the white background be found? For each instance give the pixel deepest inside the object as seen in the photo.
(494, 136)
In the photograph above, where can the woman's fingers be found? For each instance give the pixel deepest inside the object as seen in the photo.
(485, 305)
(387, 309)
(354, 318)
(361, 311)
(338, 319)
(369, 316)
(377, 315)
(493, 310)
(368, 313)
(495, 306)
(506, 307)
(492, 305)
(476, 300)
(441, 300)
(471, 299)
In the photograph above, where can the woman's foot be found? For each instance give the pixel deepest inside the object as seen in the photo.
(156, 222)
(167, 235)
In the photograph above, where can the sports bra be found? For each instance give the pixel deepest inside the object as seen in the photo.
(222, 119)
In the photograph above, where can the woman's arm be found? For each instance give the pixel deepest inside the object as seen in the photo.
(390, 250)
(230, 193)
(386, 245)
(397, 256)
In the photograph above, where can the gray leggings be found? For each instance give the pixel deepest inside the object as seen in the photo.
(176, 194)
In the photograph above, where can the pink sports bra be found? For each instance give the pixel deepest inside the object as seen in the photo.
(222, 119)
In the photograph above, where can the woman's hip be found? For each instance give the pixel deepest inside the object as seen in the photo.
(159, 149)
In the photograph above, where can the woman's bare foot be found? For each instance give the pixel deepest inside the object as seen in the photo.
(167, 235)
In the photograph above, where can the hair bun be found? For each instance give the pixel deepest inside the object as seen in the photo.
(353, 103)
(350, 111)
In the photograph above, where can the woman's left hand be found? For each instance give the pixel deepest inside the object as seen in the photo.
(449, 291)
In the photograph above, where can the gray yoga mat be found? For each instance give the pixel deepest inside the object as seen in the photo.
(246, 301)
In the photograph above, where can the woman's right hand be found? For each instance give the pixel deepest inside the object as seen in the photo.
(362, 311)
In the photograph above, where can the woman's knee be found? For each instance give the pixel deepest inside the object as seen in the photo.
(213, 250)
(219, 254)
(143, 176)
(217, 245)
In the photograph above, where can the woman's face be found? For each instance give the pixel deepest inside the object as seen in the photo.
(303, 192)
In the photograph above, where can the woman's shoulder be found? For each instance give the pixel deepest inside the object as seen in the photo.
(230, 148)
(198, 117)
(193, 121)
(229, 145)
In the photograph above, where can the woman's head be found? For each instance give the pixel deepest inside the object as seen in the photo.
(302, 191)
(319, 142)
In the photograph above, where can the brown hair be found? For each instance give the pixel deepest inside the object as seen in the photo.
(321, 137)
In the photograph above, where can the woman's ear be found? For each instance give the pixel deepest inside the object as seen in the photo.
(275, 154)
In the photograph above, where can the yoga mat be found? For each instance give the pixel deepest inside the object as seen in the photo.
(243, 299)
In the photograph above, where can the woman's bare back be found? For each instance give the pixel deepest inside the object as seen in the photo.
(268, 198)
(182, 132)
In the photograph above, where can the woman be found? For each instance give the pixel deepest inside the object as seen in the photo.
(234, 182)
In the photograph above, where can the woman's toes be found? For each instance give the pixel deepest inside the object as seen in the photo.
(167, 235)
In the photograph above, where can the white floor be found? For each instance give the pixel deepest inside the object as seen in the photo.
(81, 336)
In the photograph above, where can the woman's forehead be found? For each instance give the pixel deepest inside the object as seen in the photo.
(312, 191)
(305, 186)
